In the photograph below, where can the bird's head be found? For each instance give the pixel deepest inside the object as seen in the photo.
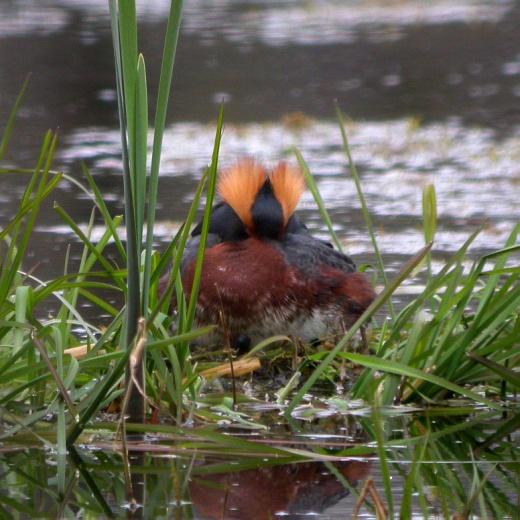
(263, 201)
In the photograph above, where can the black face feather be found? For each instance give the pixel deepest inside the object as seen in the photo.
(267, 213)
(295, 225)
(225, 223)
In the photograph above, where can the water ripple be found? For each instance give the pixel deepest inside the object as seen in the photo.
(477, 177)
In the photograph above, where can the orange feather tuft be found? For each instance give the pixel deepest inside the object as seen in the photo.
(239, 186)
(288, 186)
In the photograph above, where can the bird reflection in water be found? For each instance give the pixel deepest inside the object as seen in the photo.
(288, 490)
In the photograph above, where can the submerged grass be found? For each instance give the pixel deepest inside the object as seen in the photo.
(460, 338)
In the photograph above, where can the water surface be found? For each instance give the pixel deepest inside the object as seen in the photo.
(432, 90)
(179, 476)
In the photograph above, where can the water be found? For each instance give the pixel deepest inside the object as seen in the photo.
(432, 91)
(176, 475)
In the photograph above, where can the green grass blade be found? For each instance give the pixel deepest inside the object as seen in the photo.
(265, 343)
(54, 374)
(394, 367)
(311, 184)
(391, 384)
(382, 458)
(508, 427)
(429, 203)
(91, 247)
(30, 205)
(132, 306)
(8, 130)
(141, 149)
(128, 49)
(362, 200)
(71, 295)
(102, 390)
(168, 60)
(176, 248)
(180, 338)
(433, 285)
(505, 373)
(501, 257)
(124, 38)
(372, 309)
(22, 312)
(7, 277)
(101, 303)
(109, 221)
(411, 480)
(212, 181)
(90, 481)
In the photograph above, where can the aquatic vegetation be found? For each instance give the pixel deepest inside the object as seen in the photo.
(445, 363)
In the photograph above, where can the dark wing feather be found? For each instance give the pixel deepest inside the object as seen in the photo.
(309, 254)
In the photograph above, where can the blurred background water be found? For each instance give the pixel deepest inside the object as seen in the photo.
(432, 90)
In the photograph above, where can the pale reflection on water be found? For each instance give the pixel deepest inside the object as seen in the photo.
(397, 159)
(272, 22)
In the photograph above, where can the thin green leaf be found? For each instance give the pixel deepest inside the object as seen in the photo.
(8, 130)
(394, 367)
(369, 312)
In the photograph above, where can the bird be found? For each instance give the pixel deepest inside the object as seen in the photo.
(263, 272)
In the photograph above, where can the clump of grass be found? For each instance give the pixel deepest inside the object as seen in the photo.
(458, 338)
(460, 333)
(93, 381)
(140, 190)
